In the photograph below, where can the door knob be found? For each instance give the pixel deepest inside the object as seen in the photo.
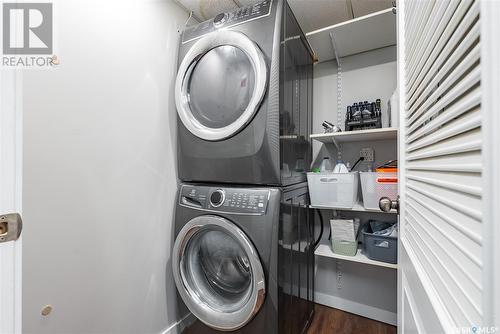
(10, 227)
(386, 204)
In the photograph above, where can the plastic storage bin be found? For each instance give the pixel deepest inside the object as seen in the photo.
(377, 185)
(339, 229)
(336, 190)
(378, 247)
(343, 247)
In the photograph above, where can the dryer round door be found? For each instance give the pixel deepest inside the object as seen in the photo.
(218, 272)
(220, 85)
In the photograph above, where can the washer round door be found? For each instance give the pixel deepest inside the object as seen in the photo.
(220, 85)
(218, 272)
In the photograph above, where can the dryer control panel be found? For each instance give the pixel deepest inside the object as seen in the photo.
(224, 199)
(224, 20)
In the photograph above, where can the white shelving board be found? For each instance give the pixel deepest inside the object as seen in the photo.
(353, 136)
(325, 250)
(358, 207)
(365, 33)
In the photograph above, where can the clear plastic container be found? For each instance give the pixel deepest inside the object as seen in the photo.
(325, 166)
(335, 190)
(377, 185)
(340, 167)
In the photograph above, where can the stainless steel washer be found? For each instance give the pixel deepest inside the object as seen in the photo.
(231, 260)
(218, 272)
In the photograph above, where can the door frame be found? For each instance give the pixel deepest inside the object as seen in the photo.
(10, 199)
(400, 45)
(490, 84)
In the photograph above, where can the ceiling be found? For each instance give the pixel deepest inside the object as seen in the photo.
(311, 14)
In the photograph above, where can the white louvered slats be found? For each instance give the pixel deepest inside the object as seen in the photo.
(446, 41)
(442, 218)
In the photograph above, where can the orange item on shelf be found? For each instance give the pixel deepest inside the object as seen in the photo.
(387, 170)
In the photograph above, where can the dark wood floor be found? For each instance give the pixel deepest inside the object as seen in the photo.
(332, 321)
(326, 321)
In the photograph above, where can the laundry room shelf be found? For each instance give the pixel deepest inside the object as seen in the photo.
(354, 136)
(365, 33)
(325, 250)
(358, 207)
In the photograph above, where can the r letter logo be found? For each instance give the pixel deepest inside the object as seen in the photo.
(27, 35)
(27, 28)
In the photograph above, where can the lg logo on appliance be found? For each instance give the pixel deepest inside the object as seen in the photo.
(27, 36)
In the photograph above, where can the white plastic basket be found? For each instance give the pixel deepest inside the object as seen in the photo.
(335, 190)
(377, 185)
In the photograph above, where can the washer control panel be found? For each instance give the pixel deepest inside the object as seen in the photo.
(222, 20)
(229, 200)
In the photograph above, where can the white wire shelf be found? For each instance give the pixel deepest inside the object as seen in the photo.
(365, 33)
(356, 136)
(324, 249)
(358, 207)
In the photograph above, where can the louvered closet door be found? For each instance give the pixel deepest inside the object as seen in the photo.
(441, 261)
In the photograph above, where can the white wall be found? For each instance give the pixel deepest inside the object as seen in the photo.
(365, 77)
(100, 171)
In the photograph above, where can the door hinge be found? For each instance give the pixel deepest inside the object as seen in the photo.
(11, 225)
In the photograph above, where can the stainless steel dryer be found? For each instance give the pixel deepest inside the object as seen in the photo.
(244, 98)
(243, 258)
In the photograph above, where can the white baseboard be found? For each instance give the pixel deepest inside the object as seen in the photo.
(180, 325)
(357, 308)
(363, 310)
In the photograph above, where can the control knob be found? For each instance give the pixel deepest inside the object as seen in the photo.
(220, 19)
(217, 198)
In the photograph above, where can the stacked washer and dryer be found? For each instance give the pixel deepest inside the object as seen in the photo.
(243, 257)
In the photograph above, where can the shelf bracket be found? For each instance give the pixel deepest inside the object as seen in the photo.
(338, 265)
(337, 145)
